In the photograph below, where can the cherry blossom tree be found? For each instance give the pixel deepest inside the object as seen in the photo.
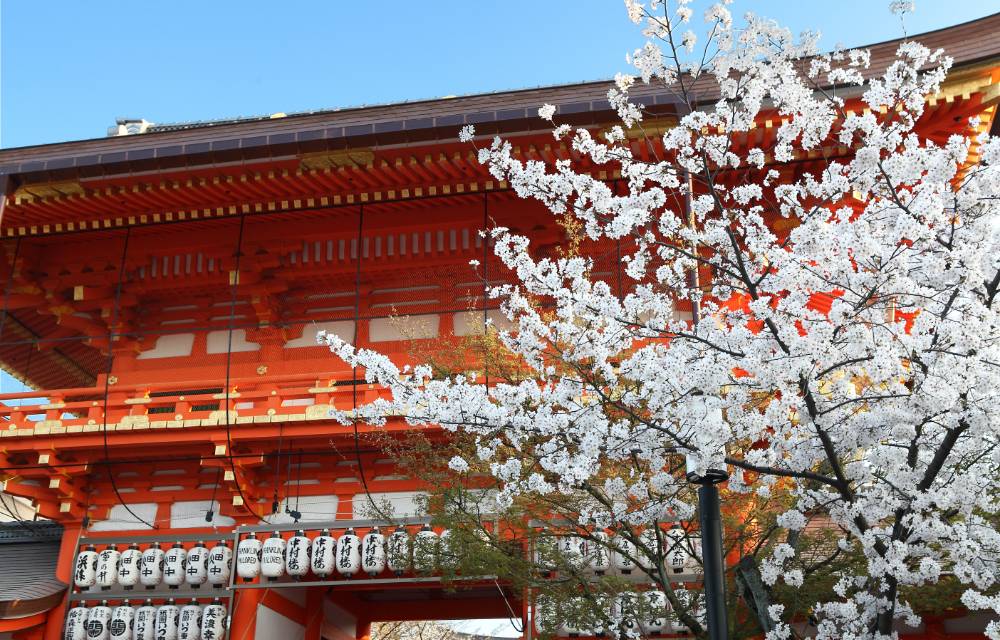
(831, 329)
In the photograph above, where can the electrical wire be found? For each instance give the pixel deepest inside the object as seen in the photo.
(354, 370)
(229, 362)
(107, 380)
(191, 458)
(12, 512)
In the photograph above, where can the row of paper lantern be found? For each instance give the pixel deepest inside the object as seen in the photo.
(601, 553)
(147, 622)
(347, 555)
(650, 616)
(174, 567)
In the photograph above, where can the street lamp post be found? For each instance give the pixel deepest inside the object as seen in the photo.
(706, 468)
(711, 549)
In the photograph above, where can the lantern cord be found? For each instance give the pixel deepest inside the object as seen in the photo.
(354, 369)
(513, 616)
(107, 380)
(298, 483)
(229, 364)
(3, 321)
(277, 468)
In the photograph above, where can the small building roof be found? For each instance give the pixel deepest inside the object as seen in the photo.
(28, 554)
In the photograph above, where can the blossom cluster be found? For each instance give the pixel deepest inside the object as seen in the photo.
(851, 353)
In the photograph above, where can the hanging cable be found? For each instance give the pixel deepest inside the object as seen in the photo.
(277, 469)
(229, 362)
(354, 370)
(12, 512)
(294, 513)
(173, 459)
(107, 379)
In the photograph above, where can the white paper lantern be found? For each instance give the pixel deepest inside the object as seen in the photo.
(599, 558)
(373, 552)
(570, 618)
(628, 610)
(397, 556)
(85, 572)
(656, 612)
(447, 553)
(546, 550)
(98, 620)
(545, 615)
(323, 548)
(425, 548)
(606, 604)
(297, 555)
(189, 622)
(174, 565)
(144, 624)
(196, 573)
(349, 553)
(166, 621)
(573, 549)
(248, 558)
(649, 541)
(695, 559)
(76, 623)
(220, 563)
(677, 556)
(272, 557)
(128, 567)
(623, 555)
(213, 621)
(107, 567)
(122, 619)
(151, 570)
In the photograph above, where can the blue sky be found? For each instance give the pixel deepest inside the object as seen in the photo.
(68, 68)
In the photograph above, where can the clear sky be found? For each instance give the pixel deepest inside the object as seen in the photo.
(68, 68)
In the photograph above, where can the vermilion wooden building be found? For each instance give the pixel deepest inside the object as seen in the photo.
(162, 291)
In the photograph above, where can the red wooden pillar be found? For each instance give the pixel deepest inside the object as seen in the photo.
(64, 572)
(314, 613)
(363, 630)
(244, 620)
(5, 186)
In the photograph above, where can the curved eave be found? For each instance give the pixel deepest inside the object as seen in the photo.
(970, 44)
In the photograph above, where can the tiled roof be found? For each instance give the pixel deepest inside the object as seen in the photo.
(28, 555)
(412, 122)
(36, 531)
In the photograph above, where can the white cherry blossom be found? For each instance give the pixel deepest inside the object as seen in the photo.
(842, 313)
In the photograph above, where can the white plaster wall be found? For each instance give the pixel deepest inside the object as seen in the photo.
(313, 508)
(470, 323)
(342, 328)
(119, 519)
(190, 514)
(218, 342)
(338, 624)
(395, 503)
(404, 328)
(274, 626)
(174, 345)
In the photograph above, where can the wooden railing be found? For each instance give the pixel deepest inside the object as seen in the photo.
(286, 398)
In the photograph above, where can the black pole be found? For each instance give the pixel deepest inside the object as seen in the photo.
(715, 569)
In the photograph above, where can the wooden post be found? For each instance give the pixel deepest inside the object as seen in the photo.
(363, 630)
(64, 573)
(314, 613)
(244, 620)
(5, 186)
